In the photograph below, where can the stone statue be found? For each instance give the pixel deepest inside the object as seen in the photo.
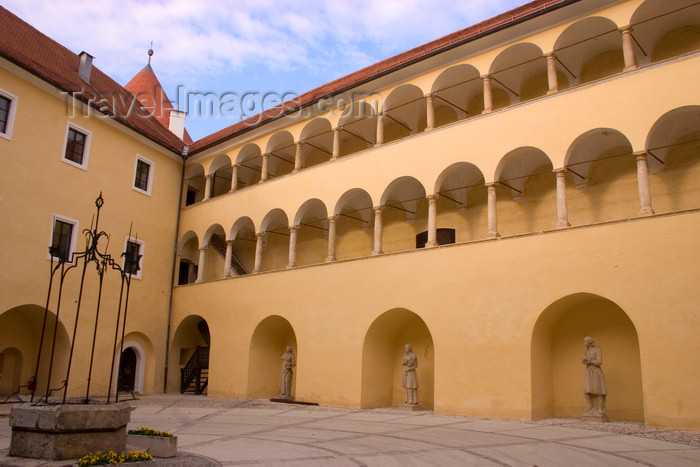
(410, 379)
(288, 362)
(594, 383)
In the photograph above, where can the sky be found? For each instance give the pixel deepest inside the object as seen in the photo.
(246, 50)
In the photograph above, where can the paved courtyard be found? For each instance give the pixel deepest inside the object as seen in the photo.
(215, 432)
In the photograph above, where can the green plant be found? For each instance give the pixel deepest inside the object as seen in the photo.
(112, 458)
(148, 431)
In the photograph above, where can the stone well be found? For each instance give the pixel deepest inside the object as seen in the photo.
(68, 431)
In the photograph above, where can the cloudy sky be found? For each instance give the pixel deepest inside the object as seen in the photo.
(260, 46)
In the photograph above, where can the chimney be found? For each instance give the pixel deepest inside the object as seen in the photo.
(85, 66)
(177, 123)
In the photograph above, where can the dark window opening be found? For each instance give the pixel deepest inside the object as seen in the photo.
(190, 197)
(142, 171)
(61, 243)
(444, 237)
(132, 257)
(4, 113)
(75, 146)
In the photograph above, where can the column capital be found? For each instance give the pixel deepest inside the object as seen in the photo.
(560, 170)
(203, 247)
(429, 95)
(293, 228)
(626, 29)
(491, 184)
(209, 175)
(299, 143)
(259, 234)
(236, 165)
(432, 197)
(230, 242)
(486, 77)
(378, 209)
(332, 218)
(640, 155)
(550, 55)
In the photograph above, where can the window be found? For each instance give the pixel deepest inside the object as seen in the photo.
(63, 238)
(133, 257)
(8, 103)
(143, 175)
(77, 146)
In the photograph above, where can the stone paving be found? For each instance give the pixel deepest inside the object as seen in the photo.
(214, 432)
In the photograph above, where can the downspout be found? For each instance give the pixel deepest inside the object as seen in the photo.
(172, 277)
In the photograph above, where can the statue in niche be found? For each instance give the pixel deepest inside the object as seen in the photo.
(410, 380)
(288, 362)
(594, 383)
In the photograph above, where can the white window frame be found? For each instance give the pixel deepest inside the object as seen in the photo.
(74, 235)
(142, 248)
(86, 149)
(10, 115)
(152, 169)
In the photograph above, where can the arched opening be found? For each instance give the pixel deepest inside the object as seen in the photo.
(222, 173)
(281, 152)
(404, 113)
(557, 346)
(189, 356)
(311, 222)
(354, 221)
(357, 129)
(382, 353)
(269, 341)
(242, 247)
(666, 29)
(317, 142)
(521, 71)
(672, 146)
(604, 169)
(20, 333)
(453, 91)
(462, 201)
(526, 191)
(249, 162)
(405, 214)
(189, 259)
(275, 229)
(215, 254)
(194, 184)
(588, 50)
(126, 379)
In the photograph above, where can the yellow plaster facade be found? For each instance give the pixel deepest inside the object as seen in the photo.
(491, 204)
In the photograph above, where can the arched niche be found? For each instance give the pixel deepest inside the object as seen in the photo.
(191, 334)
(382, 353)
(269, 341)
(556, 350)
(20, 334)
(136, 354)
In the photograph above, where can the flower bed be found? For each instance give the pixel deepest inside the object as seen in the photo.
(156, 443)
(111, 458)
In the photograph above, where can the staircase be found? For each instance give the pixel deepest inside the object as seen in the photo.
(194, 376)
(219, 245)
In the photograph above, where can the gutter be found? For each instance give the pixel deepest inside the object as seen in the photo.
(172, 276)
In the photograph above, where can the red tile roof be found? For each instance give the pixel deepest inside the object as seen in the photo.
(43, 57)
(376, 70)
(148, 90)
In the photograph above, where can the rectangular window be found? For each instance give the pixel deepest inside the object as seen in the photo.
(4, 113)
(143, 175)
(63, 238)
(8, 102)
(77, 146)
(133, 257)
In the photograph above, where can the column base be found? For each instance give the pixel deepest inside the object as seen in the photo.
(630, 68)
(291, 266)
(550, 92)
(330, 259)
(432, 245)
(486, 111)
(493, 235)
(377, 253)
(409, 407)
(595, 418)
(562, 224)
(646, 212)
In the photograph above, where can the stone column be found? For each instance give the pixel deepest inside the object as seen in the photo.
(258, 252)
(493, 224)
(380, 130)
(562, 213)
(336, 143)
(297, 157)
(292, 247)
(552, 79)
(430, 113)
(432, 222)
(377, 230)
(234, 178)
(628, 48)
(263, 169)
(643, 184)
(227, 259)
(331, 239)
(488, 98)
(200, 267)
(207, 186)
